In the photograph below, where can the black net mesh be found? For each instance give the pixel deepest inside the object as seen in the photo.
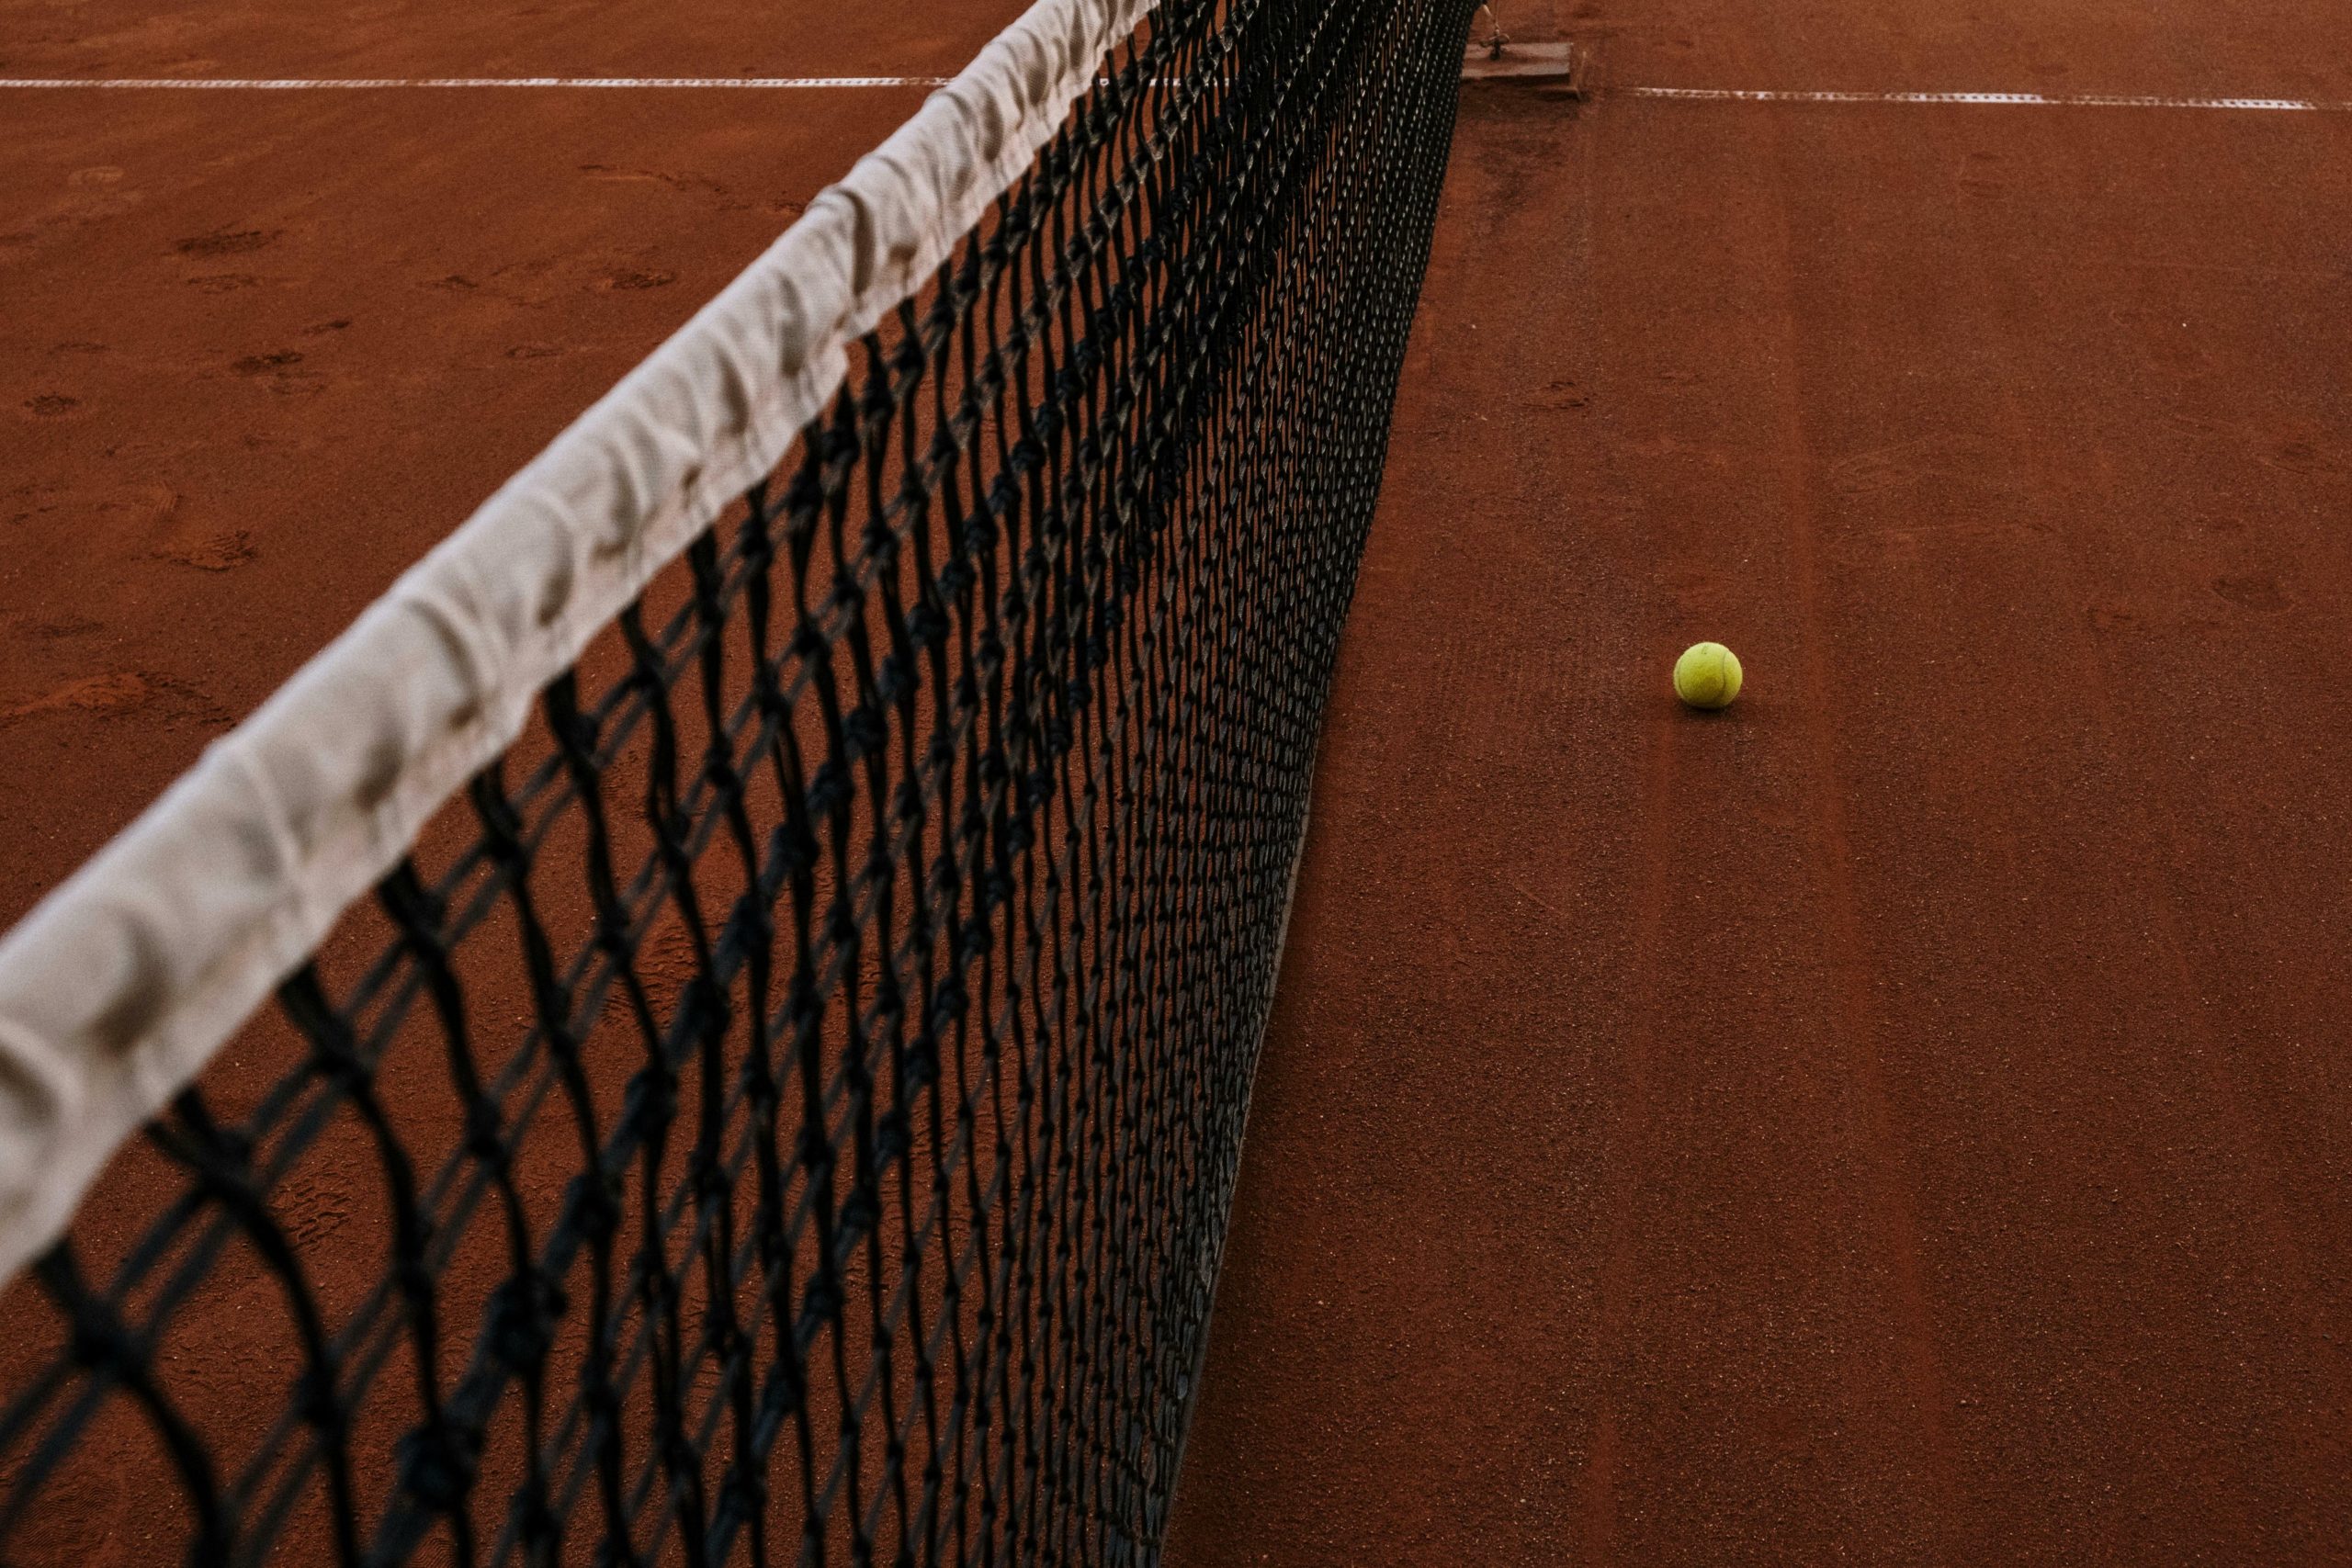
(786, 1110)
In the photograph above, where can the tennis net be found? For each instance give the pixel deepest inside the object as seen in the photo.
(770, 925)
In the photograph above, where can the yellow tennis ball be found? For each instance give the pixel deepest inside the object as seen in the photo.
(1707, 675)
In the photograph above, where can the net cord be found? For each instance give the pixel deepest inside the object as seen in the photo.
(120, 987)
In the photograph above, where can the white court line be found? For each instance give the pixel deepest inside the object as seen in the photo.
(773, 84)
(307, 84)
(2037, 100)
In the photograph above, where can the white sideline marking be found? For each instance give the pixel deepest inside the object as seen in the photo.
(2037, 100)
(307, 84)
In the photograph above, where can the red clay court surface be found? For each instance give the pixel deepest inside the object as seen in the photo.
(1906, 1118)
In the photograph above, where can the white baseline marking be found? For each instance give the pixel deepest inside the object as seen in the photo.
(2035, 100)
(309, 84)
(789, 84)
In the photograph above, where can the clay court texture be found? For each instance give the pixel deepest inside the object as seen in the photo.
(1903, 1118)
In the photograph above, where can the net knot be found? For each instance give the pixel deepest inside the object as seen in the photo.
(522, 1320)
(438, 1464)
